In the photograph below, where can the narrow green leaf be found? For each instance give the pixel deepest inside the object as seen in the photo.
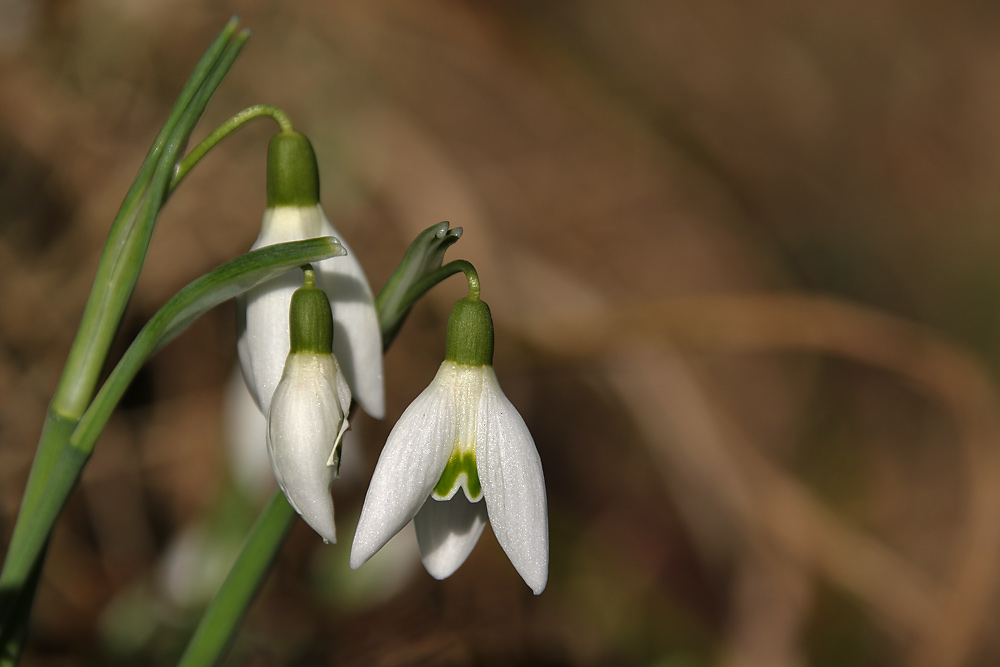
(124, 261)
(124, 247)
(227, 281)
(231, 279)
(423, 257)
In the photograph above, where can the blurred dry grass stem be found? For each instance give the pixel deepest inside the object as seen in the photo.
(939, 615)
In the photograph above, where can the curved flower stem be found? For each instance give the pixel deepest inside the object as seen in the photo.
(421, 287)
(223, 131)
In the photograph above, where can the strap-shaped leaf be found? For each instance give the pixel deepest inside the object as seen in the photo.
(229, 280)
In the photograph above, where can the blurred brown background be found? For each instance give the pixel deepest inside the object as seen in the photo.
(742, 258)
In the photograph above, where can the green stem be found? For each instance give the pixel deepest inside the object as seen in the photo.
(15, 633)
(223, 131)
(216, 630)
(424, 285)
(56, 432)
(18, 582)
(31, 534)
(391, 322)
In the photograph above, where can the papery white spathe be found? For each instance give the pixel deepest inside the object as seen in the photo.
(304, 428)
(263, 313)
(462, 411)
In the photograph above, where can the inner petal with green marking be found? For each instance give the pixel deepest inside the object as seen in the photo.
(459, 472)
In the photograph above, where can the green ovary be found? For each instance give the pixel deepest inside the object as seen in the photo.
(460, 463)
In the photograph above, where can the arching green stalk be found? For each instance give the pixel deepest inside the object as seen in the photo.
(223, 131)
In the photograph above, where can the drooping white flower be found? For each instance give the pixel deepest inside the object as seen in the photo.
(294, 214)
(308, 412)
(460, 433)
(307, 421)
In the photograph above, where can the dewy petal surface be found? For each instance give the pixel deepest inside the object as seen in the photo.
(447, 531)
(303, 429)
(410, 465)
(511, 474)
(263, 313)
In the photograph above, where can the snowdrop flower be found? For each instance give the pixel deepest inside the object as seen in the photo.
(459, 455)
(293, 214)
(308, 414)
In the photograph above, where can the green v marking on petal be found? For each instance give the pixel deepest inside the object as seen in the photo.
(459, 464)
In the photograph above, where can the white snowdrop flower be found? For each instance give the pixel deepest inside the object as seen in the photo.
(308, 412)
(461, 433)
(294, 214)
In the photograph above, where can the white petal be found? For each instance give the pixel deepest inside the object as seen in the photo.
(245, 437)
(344, 400)
(343, 389)
(357, 340)
(447, 531)
(263, 314)
(303, 430)
(510, 471)
(263, 339)
(411, 463)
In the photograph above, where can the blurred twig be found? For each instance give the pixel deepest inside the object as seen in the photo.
(944, 618)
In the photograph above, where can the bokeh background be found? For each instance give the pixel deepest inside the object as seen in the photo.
(743, 263)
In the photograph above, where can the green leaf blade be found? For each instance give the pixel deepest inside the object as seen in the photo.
(225, 282)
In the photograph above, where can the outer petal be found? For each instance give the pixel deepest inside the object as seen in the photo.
(357, 340)
(263, 314)
(447, 531)
(263, 335)
(410, 465)
(511, 474)
(303, 430)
